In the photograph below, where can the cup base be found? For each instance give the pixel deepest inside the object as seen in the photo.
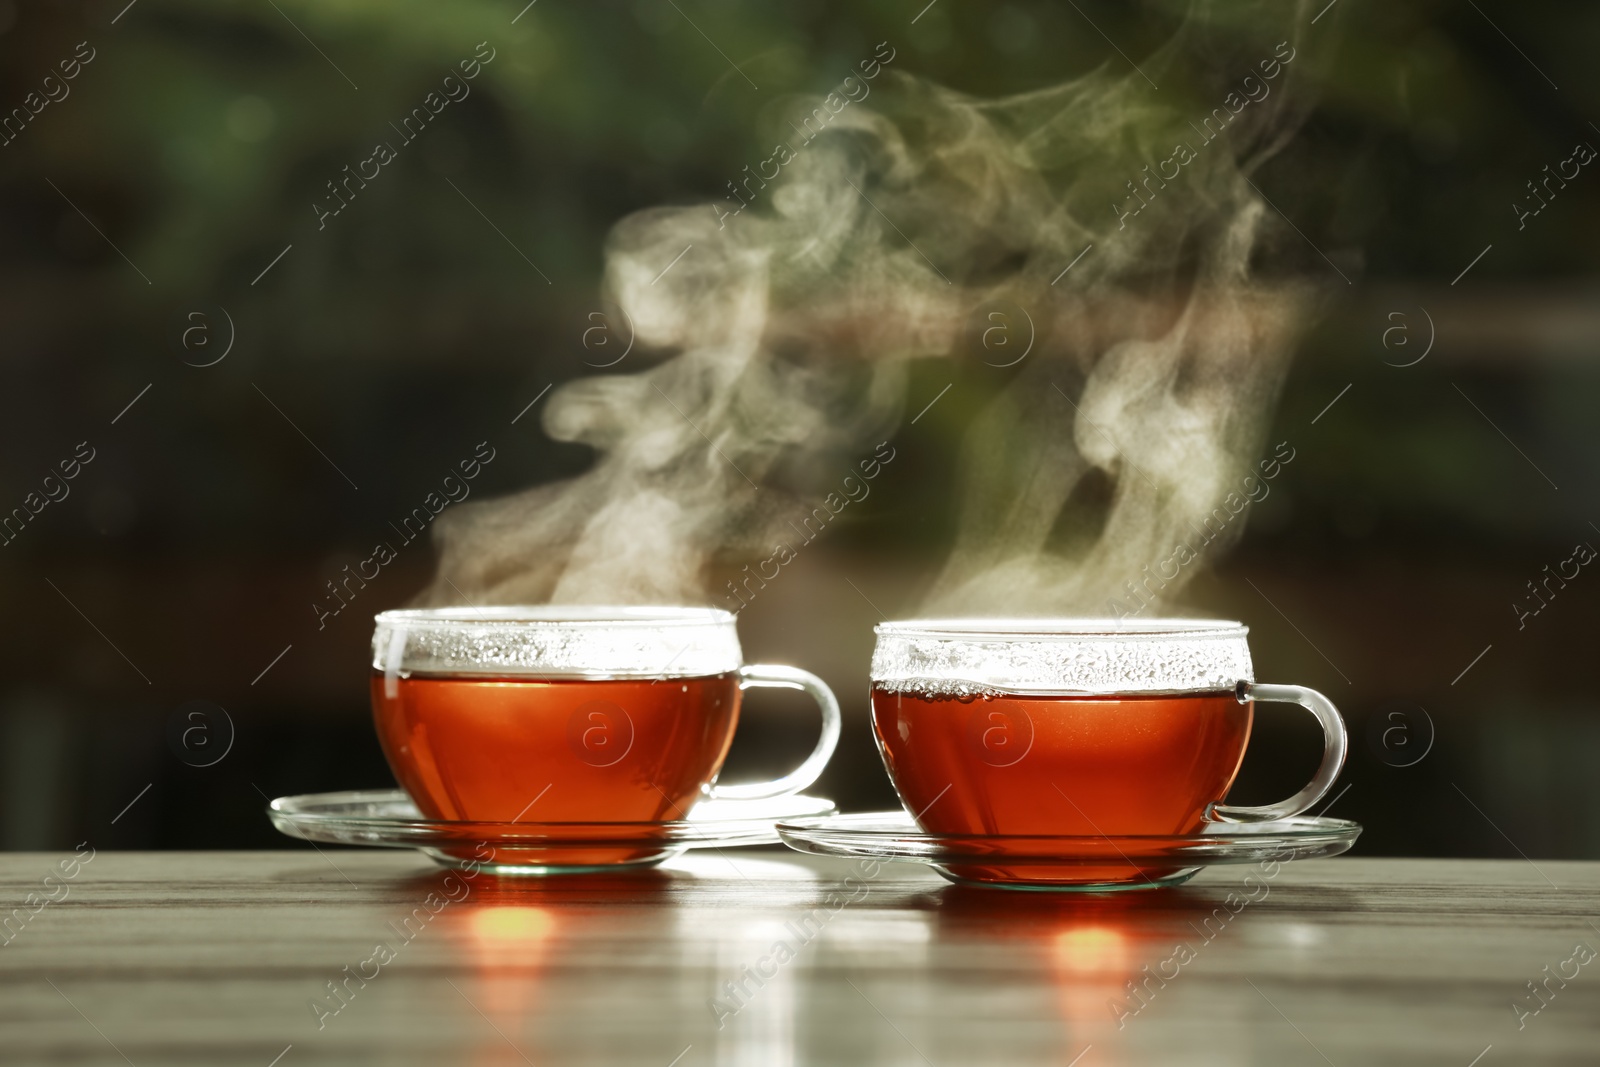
(1035, 880)
(508, 865)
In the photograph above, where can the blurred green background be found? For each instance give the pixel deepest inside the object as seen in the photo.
(425, 317)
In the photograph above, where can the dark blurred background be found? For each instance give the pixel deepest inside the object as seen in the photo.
(146, 216)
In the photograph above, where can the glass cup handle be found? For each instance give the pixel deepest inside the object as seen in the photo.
(767, 676)
(1334, 745)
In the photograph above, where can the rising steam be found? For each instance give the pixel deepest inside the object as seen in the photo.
(1144, 400)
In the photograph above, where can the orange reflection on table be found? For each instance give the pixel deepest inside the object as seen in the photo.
(1088, 946)
(505, 945)
(1093, 963)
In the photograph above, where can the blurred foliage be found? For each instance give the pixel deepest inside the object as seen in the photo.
(202, 133)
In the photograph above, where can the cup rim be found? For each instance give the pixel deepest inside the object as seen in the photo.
(585, 616)
(1058, 628)
(557, 641)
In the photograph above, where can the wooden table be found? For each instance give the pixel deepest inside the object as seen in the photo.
(219, 958)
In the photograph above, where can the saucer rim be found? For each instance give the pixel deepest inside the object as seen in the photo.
(293, 814)
(1300, 826)
(950, 855)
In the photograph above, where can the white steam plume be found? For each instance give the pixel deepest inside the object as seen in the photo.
(786, 335)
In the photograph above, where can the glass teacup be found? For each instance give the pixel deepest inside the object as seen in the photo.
(1074, 728)
(571, 714)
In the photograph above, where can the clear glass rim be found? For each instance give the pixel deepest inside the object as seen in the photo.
(1045, 628)
(1063, 655)
(551, 641)
(580, 616)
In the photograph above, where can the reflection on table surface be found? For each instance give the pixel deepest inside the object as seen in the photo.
(767, 957)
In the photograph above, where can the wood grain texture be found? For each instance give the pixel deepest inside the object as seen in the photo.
(217, 958)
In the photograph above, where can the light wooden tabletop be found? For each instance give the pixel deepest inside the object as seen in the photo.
(767, 957)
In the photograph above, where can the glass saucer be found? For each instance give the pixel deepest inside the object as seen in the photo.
(1095, 864)
(387, 818)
